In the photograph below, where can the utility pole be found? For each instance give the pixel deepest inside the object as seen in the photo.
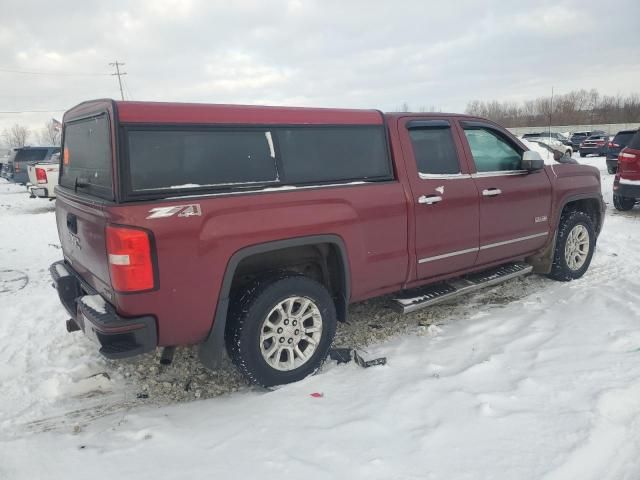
(550, 111)
(119, 74)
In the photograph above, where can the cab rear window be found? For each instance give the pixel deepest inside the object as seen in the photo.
(86, 157)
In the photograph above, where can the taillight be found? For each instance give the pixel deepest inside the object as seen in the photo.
(626, 156)
(130, 262)
(41, 175)
(16, 167)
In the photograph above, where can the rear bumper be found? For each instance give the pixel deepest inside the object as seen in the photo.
(118, 337)
(592, 150)
(37, 191)
(628, 191)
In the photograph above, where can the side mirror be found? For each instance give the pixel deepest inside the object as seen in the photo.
(532, 161)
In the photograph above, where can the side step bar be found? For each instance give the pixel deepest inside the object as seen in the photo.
(417, 298)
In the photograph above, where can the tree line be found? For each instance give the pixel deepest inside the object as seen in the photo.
(578, 107)
(19, 135)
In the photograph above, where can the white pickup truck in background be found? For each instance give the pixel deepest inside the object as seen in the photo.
(43, 177)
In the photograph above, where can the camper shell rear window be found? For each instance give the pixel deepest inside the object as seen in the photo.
(86, 165)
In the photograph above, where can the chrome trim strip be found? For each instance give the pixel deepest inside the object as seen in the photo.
(514, 240)
(447, 255)
(443, 176)
(482, 247)
(499, 173)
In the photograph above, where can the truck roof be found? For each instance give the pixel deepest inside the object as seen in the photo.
(203, 113)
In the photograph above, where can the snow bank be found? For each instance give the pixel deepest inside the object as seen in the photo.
(532, 379)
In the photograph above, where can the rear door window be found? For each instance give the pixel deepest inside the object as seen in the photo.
(86, 158)
(434, 151)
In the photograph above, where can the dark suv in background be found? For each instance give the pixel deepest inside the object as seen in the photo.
(15, 170)
(614, 147)
(595, 144)
(578, 137)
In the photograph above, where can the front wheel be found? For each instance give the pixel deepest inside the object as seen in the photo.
(282, 330)
(582, 154)
(575, 243)
(623, 204)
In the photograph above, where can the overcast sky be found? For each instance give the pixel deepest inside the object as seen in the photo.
(343, 53)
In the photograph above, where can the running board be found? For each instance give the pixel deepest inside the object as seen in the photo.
(417, 298)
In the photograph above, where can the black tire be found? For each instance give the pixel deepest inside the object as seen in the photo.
(560, 270)
(611, 170)
(582, 154)
(250, 310)
(623, 203)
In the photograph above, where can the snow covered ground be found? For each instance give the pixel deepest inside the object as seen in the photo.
(532, 379)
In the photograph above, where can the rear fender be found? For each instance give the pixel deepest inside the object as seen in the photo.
(213, 349)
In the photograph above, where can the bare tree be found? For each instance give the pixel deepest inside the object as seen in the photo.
(579, 107)
(16, 136)
(50, 133)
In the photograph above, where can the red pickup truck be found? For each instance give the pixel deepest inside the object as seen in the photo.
(251, 229)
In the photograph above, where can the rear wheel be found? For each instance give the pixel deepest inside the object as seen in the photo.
(282, 330)
(582, 154)
(623, 203)
(575, 243)
(611, 169)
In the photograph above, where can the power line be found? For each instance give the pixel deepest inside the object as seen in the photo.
(55, 74)
(119, 74)
(33, 111)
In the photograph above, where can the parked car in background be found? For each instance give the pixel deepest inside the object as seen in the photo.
(594, 145)
(619, 141)
(43, 177)
(15, 170)
(554, 135)
(553, 143)
(550, 150)
(256, 227)
(626, 184)
(578, 137)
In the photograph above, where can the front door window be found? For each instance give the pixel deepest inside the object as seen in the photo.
(492, 153)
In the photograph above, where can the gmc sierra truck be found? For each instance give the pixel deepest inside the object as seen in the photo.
(251, 229)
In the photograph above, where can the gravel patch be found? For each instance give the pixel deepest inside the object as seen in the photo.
(370, 322)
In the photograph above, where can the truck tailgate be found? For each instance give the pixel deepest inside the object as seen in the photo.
(81, 228)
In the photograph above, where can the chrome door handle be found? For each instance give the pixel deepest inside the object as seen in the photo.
(491, 192)
(428, 200)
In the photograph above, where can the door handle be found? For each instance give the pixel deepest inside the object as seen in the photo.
(429, 199)
(491, 192)
(72, 223)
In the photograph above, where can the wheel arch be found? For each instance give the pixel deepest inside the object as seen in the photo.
(213, 349)
(590, 204)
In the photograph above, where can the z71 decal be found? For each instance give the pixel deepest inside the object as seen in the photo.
(192, 210)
